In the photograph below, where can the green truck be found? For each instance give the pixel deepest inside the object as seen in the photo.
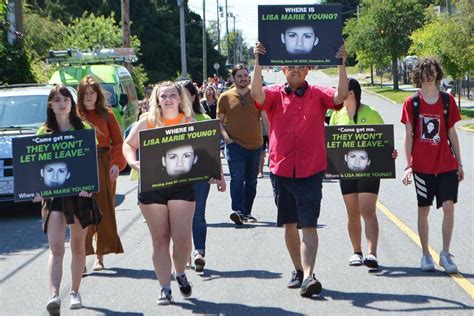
(104, 65)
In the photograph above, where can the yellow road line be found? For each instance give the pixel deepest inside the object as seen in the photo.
(458, 278)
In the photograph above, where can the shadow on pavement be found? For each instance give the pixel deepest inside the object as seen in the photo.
(123, 273)
(103, 311)
(244, 226)
(403, 272)
(365, 300)
(209, 275)
(209, 308)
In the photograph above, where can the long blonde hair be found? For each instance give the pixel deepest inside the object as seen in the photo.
(154, 114)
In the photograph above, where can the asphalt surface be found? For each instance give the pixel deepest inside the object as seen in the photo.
(247, 268)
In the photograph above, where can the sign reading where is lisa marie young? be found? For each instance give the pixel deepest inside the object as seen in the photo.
(180, 154)
(52, 165)
(360, 151)
(300, 34)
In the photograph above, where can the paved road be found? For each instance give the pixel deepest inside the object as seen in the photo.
(248, 267)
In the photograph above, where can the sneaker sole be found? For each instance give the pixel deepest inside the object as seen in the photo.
(371, 264)
(53, 308)
(449, 271)
(188, 294)
(312, 289)
(430, 269)
(294, 286)
(75, 306)
(164, 302)
(199, 265)
(236, 219)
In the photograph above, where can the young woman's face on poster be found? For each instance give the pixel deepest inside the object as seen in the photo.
(357, 160)
(299, 40)
(55, 174)
(179, 160)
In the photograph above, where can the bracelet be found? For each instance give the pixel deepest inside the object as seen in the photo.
(406, 168)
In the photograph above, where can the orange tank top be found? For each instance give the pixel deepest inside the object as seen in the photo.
(180, 119)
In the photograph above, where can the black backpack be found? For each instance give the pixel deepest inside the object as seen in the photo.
(416, 110)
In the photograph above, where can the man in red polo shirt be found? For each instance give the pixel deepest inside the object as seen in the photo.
(296, 112)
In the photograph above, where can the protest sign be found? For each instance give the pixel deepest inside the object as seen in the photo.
(360, 151)
(180, 154)
(300, 34)
(52, 165)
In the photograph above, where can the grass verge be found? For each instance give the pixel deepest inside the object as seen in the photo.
(398, 96)
(467, 113)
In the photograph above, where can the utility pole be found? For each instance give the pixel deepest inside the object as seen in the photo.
(218, 30)
(227, 32)
(126, 28)
(448, 6)
(182, 35)
(235, 43)
(15, 19)
(204, 42)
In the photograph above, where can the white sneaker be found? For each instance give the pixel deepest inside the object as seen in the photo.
(355, 260)
(427, 263)
(76, 301)
(447, 263)
(54, 305)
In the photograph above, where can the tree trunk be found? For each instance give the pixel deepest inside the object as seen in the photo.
(371, 74)
(395, 73)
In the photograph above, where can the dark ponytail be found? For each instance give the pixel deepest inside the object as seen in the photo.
(354, 86)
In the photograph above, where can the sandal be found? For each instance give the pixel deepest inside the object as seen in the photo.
(355, 260)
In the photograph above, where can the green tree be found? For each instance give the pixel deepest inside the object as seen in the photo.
(450, 38)
(386, 28)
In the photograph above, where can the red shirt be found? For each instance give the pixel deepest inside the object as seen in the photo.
(431, 152)
(297, 145)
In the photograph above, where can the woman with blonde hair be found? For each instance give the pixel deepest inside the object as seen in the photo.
(92, 107)
(168, 212)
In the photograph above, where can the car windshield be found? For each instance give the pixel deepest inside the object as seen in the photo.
(23, 111)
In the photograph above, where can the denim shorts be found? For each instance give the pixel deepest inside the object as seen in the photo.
(298, 200)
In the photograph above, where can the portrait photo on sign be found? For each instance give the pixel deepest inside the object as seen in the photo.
(300, 34)
(359, 151)
(53, 165)
(182, 154)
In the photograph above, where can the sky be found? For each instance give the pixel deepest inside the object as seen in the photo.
(245, 12)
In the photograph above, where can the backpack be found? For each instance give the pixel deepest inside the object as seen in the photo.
(416, 110)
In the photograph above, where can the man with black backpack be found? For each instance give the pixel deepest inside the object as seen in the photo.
(433, 155)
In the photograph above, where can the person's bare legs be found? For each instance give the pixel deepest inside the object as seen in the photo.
(78, 251)
(353, 220)
(157, 219)
(181, 223)
(309, 249)
(56, 239)
(448, 224)
(367, 204)
(293, 244)
(423, 228)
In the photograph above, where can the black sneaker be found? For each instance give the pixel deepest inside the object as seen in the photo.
(296, 279)
(166, 298)
(236, 218)
(249, 219)
(371, 261)
(184, 285)
(310, 286)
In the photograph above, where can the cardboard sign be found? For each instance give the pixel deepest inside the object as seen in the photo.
(179, 154)
(300, 34)
(360, 151)
(52, 165)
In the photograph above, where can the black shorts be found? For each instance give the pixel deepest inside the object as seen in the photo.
(298, 200)
(359, 186)
(265, 143)
(442, 185)
(162, 196)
